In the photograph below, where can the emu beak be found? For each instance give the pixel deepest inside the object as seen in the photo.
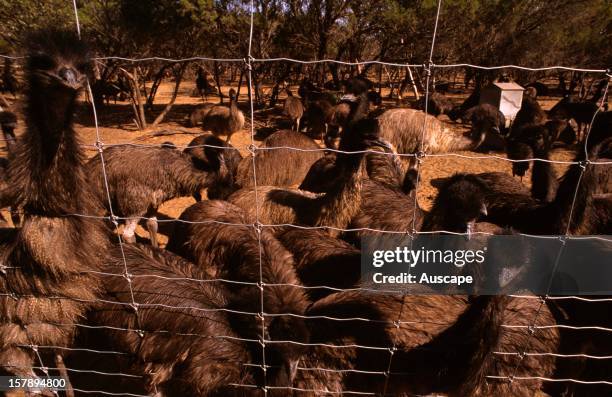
(480, 141)
(70, 78)
(293, 367)
(483, 210)
(349, 97)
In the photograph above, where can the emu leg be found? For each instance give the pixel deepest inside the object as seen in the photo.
(59, 361)
(152, 227)
(128, 230)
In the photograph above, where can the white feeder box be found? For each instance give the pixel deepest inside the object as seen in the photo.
(507, 97)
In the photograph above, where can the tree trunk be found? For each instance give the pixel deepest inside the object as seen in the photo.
(217, 76)
(137, 103)
(159, 77)
(178, 79)
(240, 79)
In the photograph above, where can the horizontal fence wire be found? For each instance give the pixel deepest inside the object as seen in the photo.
(338, 62)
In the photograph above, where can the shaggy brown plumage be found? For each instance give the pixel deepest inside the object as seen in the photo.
(535, 142)
(488, 126)
(403, 128)
(437, 104)
(530, 113)
(234, 250)
(48, 258)
(140, 179)
(472, 100)
(333, 209)
(384, 168)
(445, 345)
(197, 116)
(223, 120)
(293, 108)
(8, 122)
(322, 261)
(590, 215)
(283, 166)
(186, 345)
(582, 112)
(318, 116)
(210, 153)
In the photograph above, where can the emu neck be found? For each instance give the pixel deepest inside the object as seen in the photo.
(543, 178)
(460, 354)
(50, 158)
(576, 183)
(342, 201)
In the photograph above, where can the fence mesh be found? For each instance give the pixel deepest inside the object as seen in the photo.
(248, 60)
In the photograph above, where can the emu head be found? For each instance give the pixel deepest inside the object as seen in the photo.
(525, 144)
(461, 202)
(58, 65)
(284, 357)
(232, 94)
(210, 154)
(360, 134)
(485, 119)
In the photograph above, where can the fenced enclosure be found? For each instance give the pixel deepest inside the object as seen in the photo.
(298, 337)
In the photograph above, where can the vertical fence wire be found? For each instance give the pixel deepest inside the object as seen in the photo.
(531, 329)
(100, 147)
(419, 157)
(257, 225)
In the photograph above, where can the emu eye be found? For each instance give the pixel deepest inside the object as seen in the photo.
(42, 62)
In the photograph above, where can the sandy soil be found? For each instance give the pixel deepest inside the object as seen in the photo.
(116, 125)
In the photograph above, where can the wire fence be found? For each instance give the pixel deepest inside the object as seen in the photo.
(258, 226)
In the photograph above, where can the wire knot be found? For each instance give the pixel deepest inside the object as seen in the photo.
(113, 218)
(99, 145)
(248, 62)
(34, 348)
(134, 306)
(583, 164)
(420, 155)
(140, 333)
(251, 148)
(258, 226)
(427, 67)
(3, 268)
(609, 73)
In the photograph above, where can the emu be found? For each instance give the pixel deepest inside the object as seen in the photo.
(140, 179)
(223, 120)
(50, 258)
